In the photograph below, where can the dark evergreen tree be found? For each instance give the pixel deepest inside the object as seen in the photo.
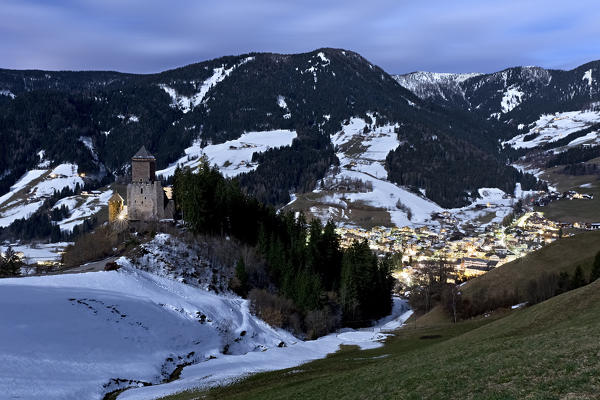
(578, 280)
(595, 268)
(10, 263)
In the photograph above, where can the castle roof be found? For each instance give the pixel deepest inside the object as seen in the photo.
(143, 154)
(116, 196)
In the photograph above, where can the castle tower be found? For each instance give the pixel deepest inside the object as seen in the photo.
(115, 206)
(143, 166)
(145, 196)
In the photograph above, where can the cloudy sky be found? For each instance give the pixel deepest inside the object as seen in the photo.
(400, 36)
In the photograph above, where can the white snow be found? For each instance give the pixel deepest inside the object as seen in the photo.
(430, 84)
(587, 76)
(28, 194)
(22, 183)
(227, 369)
(552, 127)
(590, 138)
(7, 93)
(321, 55)
(187, 103)
(234, 156)
(81, 207)
(118, 325)
(281, 102)
(511, 98)
(87, 142)
(362, 156)
(71, 336)
(520, 305)
(38, 252)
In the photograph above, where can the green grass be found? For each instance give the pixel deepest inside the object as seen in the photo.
(548, 351)
(562, 255)
(573, 210)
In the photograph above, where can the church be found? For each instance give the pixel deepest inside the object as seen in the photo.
(146, 198)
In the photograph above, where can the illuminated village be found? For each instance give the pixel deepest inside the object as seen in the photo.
(470, 253)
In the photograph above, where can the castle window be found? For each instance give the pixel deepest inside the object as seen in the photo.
(142, 190)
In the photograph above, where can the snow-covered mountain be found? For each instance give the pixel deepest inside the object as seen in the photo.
(435, 85)
(511, 93)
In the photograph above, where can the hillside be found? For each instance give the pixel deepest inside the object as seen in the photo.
(97, 120)
(562, 255)
(503, 357)
(90, 335)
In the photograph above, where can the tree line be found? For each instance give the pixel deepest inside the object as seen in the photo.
(309, 275)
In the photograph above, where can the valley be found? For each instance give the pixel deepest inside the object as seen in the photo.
(306, 189)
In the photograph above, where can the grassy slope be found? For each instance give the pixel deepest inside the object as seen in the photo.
(548, 351)
(562, 255)
(573, 210)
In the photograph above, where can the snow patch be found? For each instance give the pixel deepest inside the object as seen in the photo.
(227, 369)
(512, 98)
(29, 193)
(188, 103)
(552, 127)
(234, 156)
(587, 76)
(7, 93)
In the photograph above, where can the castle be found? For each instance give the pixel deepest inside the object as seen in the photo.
(146, 199)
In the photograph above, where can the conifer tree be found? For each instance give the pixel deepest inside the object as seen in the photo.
(595, 268)
(578, 280)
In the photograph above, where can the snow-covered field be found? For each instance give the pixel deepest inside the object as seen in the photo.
(234, 156)
(550, 128)
(362, 154)
(227, 369)
(28, 194)
(66, 336)
(74, 336)
(81, 208)
(33, 253)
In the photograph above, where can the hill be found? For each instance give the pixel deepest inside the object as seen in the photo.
(492, 358)
(563, 255)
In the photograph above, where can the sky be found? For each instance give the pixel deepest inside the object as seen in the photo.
(400, 36)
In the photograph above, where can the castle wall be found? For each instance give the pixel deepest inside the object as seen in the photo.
(145, 201)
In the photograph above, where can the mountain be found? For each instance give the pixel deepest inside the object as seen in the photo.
(434, 85)
(96, 120)
(515, 96)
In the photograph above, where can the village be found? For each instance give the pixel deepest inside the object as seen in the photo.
(469, 252)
